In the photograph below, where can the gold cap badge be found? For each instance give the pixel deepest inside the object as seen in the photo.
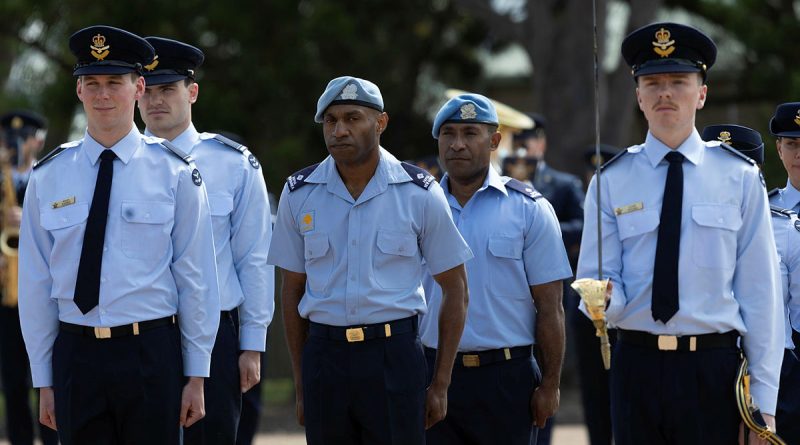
(99, 48)
(468, 111)
(16, 123)
(152, 65)
(663, 46)
(797, 118)
(725, 136)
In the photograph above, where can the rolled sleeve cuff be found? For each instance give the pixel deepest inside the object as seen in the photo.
(766, 397)
(453, 261)
(616, 305)
(42, 375)
(196, 365)
(253, 339)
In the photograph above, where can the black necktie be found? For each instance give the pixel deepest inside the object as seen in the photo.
(665, 273)
(87, 287)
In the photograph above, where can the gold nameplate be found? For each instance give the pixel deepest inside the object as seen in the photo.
(102, 332)
(667, 343)
(507, 353)
(387, 330)
(629, 208)
(354, 334)
(471, 360)
(63, 202)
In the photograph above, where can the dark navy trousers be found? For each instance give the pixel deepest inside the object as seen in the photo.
(370, 392)
(787, 418)
(488, 405)
(222, 391)
(673, 397)
(124, 390)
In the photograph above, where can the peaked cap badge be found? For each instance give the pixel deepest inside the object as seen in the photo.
(152, 65)
(99, 48)
(468, 111)
(663, 46)
(797, 118)
(17, 123)
(350, 92)
(725, 136)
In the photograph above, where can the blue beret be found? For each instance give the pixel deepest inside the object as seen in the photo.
(174, 61)
(786, 121)
(349, 90)
(107, 50)
(746, 140)
(464, 109)
(668, 48)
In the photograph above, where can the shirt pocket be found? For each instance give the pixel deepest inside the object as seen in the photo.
(714, 230)
(319, 261)
(638, 223)
(146, 229)
(505, 268)
(220, 205)
(66, 225)
(396, 262)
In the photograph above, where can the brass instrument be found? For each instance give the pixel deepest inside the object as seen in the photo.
(9, 238)
(593, 294)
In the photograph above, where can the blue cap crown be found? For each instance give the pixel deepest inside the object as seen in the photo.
(107, 50)
(668, 48)
(349, 90)
(173, 61)
(746, 140)
(786, 121)
(465, 109)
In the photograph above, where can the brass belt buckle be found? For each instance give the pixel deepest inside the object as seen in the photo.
(667, 343)
(354, 334)
(471, 360)
(102, 332)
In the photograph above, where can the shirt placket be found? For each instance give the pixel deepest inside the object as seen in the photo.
(353, 264)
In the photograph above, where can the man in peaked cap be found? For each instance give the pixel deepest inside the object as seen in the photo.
(351, 237)
(119, 290)
(24, 132)
(515, 281)
(240, 212)
(689, 251)
(785, 126)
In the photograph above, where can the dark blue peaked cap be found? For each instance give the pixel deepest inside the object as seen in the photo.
(104, 49)
(174, 61)
(746, 140)
(668, 48)
(786, 121)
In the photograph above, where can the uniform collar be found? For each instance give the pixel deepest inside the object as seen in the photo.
(493, 180)
(791, 196)
(124, 148)
(388, 171)
(185, 141)
(692, 148)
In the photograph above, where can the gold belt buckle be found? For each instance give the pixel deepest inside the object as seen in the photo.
(471, 360)
(354, 334)
(667, 343)
(102, 332)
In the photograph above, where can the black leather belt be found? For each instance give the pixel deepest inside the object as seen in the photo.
(352, 334)
(676, 343)
(116, 331)
(482, 358)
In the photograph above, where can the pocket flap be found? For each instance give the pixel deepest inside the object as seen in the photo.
(720, 216)
(637, 223)
(220, 205)
(397, 243)
(316, 245)
(146, 212)
(52, 219)
(505, 247)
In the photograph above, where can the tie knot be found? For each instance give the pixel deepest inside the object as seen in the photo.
(108, 155)
(674, 156)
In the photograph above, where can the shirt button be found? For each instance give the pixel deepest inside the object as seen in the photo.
(354, 242)
(102, 311)
(105, 249)
(147, 215)
(720, 220)
(103, 279)
(671, 324)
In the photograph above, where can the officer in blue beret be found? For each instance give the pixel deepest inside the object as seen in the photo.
(515, 281)
(351, 238)
(240, 212)
(119, 299)
(24, 132)
(689, 251)
(785, 126)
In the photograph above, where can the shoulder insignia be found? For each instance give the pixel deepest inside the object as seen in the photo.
(298, 179)
(781, 212)
(613, 159)
(58, 150)
(773, 192)
(737, 153)
(175, 151)
(228, 142)
(419, 176)
(523, 188)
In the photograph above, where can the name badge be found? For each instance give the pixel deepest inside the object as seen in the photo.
(63, 202)
(629, 208)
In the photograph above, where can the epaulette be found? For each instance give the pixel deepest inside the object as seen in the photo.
(238, 147)
(773, 192)
(419, 176)
(613, 159)
(175, 151)
(778, 211)
(523, 188)
(58, 150)
(298, 179)
(737, 153)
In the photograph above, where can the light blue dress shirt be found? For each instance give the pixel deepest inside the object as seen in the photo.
(517, 244)
(363, 258)
(727, 267)
(240, 215)
(787, 239)
(787, 198)
(158, 256)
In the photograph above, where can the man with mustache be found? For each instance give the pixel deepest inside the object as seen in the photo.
(240, 215)
(350, 238)
(688, 248)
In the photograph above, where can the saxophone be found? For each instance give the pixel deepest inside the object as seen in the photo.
(9, 239)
